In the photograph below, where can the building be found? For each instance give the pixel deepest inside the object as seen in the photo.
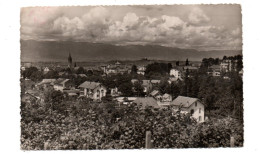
(46, 70)
(146, 102)
(116, 68)
(45, 83)
(155, 82)
(190, 105)
(141, 70)
(147, 85)
(62, 84)
(166, 98)
(214, 70)
(228, 65)
(114, 92)
(134, 81)
(190, 68)
(175, 73)
(93, 90)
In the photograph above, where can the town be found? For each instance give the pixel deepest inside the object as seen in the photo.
(75, 93)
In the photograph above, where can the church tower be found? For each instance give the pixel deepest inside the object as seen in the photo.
(70, 61)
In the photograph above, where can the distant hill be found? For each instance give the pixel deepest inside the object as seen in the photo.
(45, 51)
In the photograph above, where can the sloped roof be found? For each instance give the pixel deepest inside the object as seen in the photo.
(215, 67)
(155, 81)
(166, 95)
(190, 67)
(154, 92)
(46, 81)
(89, 85)
(184, 101)
(146, 102)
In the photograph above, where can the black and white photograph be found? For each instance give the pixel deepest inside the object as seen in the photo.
(131, 77)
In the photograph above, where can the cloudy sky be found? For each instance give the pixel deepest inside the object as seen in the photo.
(202, 27)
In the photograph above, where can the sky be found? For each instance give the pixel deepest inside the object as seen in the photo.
(201, 27)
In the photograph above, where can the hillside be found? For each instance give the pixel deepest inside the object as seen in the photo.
(35, 51)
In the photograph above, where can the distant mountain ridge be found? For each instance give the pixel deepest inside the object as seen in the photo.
(35, 51)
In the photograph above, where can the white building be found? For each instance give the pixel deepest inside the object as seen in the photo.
(46, 70)
(141, 70)
(93, 90)
(62, 84)
(174, 72)
(190, 105)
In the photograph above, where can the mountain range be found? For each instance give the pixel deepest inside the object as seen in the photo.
(58, 51)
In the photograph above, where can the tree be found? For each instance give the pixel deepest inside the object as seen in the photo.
(126, 88)
(139, 89)
(134, 69)
(89, 73)
(187, 62)
(169, 67)
(81, 70)
(51, 75)
(177, 63)
(29, 71)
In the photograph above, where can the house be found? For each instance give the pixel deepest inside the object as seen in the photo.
(214, 70)
(146, 102)
(46, 70)
(125, 100)
(141, 70)
(72, 92)
(155, 82)
(175, 73)
(46, 83)
(114, 92)
(147, 85)
(93, 90)
(190, 68)
(133, 81)
(62, 84)
(190, 105)
(241, 72)
(227, 65)
(166, 98)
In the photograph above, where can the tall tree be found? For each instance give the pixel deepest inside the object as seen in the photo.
(187, 62)
(134, 69)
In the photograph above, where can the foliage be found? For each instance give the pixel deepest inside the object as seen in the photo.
(104, 126)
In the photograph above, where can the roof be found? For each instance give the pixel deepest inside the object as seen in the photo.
(47, 81)
(190, 67)
(155, 81)
(215, 67)
(89, 85)
(146, 82)
(166, 95)
(64, 81)
(184, 101)
(146, 102)
(154, 92)
(134, 80)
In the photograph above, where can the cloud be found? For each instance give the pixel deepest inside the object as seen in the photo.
(97, 25)
(197, 16)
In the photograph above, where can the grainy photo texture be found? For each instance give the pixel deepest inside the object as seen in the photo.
(131, 77)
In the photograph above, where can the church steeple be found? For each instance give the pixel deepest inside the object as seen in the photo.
(70, 61)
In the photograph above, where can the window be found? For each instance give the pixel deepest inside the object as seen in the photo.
(199, 118)
(199, 110)
(196, 104)
(191, 111)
